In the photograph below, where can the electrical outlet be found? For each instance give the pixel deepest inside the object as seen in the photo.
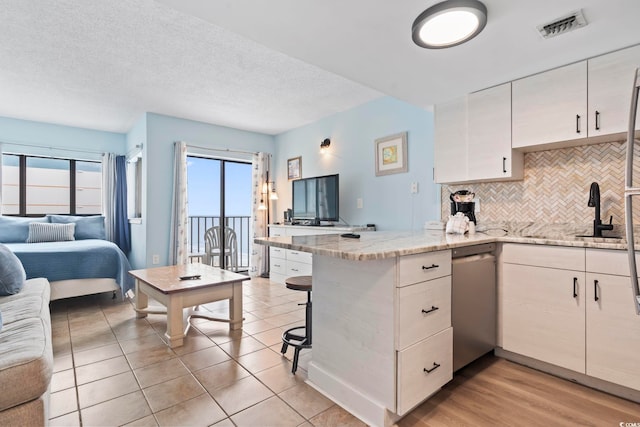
(130, 294)
(359, 202)
(414, 188)
(155, 259)
(477, 205)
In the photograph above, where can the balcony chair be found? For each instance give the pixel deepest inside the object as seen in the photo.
(212, 247)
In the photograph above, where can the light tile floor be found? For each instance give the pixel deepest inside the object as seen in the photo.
(113, 369)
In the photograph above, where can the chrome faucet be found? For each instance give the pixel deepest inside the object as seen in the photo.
(594, 202)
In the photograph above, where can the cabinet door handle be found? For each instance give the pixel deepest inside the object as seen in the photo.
(435, 366)
(429, 268)
(577, 123)
(595, 291)
(575, 287)
(431, 310)
(504, 165)
(597, 120)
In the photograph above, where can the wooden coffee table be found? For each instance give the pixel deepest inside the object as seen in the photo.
(164, 285)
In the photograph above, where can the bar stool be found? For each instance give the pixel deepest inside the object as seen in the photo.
(298, 283)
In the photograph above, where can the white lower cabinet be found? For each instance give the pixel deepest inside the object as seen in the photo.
(590, 327)
(543, 314)
(423, 368)
(285, 263)
(424, 337)
(613, 327)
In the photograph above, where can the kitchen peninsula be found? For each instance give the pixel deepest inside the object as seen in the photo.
(371, 353)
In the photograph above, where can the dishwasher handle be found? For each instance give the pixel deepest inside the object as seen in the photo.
(474, 258)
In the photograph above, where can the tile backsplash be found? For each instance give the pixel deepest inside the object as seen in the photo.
(555, 188)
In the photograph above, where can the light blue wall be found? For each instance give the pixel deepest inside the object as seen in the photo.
(138, 136)
(387, 201)
(161, 133)
(19, 136)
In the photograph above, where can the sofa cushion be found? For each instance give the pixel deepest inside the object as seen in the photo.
(12, 274)
(39, 233)
(87, 227)
(15, 229)
(26, 357)
(26, 361)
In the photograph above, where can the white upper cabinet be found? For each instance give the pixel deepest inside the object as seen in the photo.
(473, 138)
(451, 141)
(489, 136)
(550, 106)
(610, 80)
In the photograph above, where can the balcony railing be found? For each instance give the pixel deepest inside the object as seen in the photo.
(198, 225)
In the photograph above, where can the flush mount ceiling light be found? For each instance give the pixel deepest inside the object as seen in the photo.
(449, 23)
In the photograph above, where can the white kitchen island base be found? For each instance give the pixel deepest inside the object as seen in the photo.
(356, 359)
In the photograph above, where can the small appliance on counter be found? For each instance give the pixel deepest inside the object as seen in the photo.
(462, 201)
(288, 216)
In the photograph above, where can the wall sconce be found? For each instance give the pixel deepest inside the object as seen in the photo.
(324, 145)
(268, 193)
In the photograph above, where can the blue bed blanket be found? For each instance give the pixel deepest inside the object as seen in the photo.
(77, 259)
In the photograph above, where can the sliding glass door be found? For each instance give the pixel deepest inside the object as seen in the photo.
(219, 208)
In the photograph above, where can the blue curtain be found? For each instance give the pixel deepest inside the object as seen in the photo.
(122, 235)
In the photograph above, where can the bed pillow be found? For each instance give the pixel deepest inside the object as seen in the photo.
(12, 275)
(14, 229)
(87, 227)
(43, 232)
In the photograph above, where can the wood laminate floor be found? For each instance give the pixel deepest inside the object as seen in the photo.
(496, 392)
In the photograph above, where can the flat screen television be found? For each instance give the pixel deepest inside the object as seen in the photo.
(316, 199)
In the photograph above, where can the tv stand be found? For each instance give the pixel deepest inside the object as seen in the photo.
(284, 263)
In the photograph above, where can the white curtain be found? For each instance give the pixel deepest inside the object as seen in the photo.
(259, 261)
(109, 193)
(179, 220)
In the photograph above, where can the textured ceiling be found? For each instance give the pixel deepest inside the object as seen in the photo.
(369, 41)
(102, 64)
(268, 66)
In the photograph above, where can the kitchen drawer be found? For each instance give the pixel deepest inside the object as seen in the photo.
(277, 231)
(608, 261)
(298, 269)
(421, 267)
(278, 266)
(279, 253)
(298, 256)
(414, 383)
(414, 324)
(561, 257)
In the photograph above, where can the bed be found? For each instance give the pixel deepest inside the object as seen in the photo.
(75, 265)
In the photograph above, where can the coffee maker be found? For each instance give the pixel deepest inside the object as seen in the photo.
(462, 201)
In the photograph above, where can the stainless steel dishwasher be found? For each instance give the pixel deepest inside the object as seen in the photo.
(473, 301)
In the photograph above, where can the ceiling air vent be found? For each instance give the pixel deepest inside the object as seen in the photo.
(570, 22)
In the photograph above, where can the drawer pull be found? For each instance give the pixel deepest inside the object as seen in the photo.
(431, 310)
(575, 287)
(429, 268)
(435, 366)
(595, 290)
(276, 265)
(294, 269)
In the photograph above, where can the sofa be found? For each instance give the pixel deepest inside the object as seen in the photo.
(26, 352)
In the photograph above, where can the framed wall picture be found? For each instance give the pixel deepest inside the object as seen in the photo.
(391, 154)
(294, 168)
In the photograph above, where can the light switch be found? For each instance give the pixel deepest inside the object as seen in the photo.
(359, 202)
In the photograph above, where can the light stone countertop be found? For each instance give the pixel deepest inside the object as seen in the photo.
(387, 244)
